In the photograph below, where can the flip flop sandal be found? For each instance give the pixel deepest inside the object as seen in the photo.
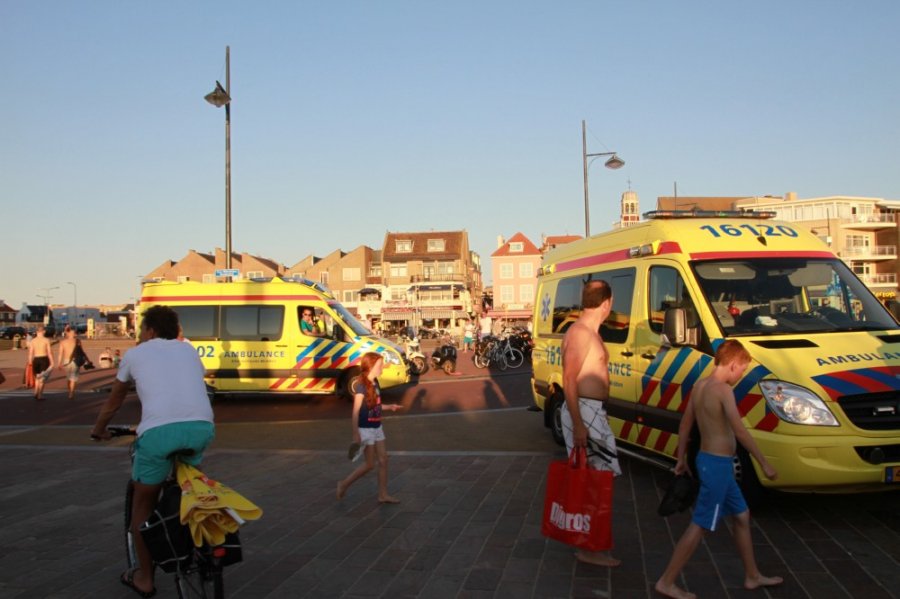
(127, 579)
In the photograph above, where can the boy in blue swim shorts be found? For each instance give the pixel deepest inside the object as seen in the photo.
(712, 404)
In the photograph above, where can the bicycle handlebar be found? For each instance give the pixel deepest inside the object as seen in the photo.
(117, 431)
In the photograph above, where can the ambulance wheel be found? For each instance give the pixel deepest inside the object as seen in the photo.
(347, 382)
(746, 478)
(555, 404)
(449, 366)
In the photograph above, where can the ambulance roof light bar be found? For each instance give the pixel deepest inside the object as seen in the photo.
(665, 214)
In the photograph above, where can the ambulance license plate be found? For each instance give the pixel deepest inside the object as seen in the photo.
(892, 474)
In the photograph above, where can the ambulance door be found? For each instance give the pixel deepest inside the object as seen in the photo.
(617, 333)
(665, 372)
(253, 350)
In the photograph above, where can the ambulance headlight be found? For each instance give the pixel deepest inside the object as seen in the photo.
(796, 405)
(391, 358)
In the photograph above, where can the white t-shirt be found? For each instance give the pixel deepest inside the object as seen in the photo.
(168, 375)
(485, 323)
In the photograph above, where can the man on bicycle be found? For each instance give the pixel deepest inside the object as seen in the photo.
(175, 415)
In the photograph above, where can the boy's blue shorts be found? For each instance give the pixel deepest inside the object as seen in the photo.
(152, 464)
(719, 492)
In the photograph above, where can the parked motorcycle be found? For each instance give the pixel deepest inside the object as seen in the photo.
(444, 356)
(415, 359)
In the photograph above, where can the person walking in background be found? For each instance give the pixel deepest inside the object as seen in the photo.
(66, 358)
(468, 335)
(713, 406)
(485, 324)
(586, 386)
(40, 356)
(367, 431)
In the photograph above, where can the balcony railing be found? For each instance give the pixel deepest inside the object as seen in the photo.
(882, 278)
(883, 251)
(864, 219)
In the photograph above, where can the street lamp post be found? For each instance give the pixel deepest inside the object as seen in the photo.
(75, 306)
(613, 163)
(222, 97)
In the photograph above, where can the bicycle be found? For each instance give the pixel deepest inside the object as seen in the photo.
(199, 574)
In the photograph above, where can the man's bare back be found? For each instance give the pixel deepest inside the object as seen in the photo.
(66, 349)
(40, 347)
(716, 434)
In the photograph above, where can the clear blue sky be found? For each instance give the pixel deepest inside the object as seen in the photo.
(354, 118)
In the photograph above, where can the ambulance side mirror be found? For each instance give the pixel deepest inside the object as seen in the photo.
(675, 327)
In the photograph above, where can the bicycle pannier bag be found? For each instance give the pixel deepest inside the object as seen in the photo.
(168, 540)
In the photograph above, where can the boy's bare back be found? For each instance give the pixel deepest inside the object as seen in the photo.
(709, 398)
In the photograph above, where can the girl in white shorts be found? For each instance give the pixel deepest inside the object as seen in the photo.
(367, 431)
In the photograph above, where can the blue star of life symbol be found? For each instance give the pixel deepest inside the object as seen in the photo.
(545, 306)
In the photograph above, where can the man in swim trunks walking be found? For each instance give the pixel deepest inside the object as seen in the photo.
(586, 387)
(41, 358)
(713, 405)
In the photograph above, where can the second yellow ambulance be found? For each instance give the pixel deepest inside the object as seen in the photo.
(822, 395)
(250, 337)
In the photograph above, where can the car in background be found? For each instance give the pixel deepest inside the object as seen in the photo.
(12, 332)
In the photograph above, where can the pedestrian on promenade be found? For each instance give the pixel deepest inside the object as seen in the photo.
(66, 358)
(40, 356)
(367, 431)
(485, 324)
(175, 415)
(469, 335)
(586, 386)
(713, 406)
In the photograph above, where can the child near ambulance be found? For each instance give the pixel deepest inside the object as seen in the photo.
(367, 431)
(713, 406)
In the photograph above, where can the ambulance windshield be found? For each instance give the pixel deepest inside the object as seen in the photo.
(358, 328)
(769, 296)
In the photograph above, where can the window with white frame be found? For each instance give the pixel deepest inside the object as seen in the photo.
(209, 278)
(254, 274)
(506, 270)
(352, 274)
(398, 270)
(351, 296)
(375, 270)
(526, 294)
(526, 269)
(323, 277)
(507, 294)
(403, 246)
(436, 245)
(516, 247)
(184, 279)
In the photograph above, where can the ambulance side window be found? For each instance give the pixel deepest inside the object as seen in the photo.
(198, 322)
(252, 323)
(567, 305)
(667, 290)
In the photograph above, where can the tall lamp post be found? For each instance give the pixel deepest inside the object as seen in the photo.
(222, 97)
(613, 163)
(75, 306)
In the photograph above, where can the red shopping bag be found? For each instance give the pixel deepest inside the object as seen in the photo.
(578, 504)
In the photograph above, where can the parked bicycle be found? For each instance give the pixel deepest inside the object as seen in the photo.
(496, 351)
(198, 570)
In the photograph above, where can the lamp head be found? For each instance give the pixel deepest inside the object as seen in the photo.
(218, 97)
(614, 162)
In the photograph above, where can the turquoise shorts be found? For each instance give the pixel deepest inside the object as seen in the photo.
(153, 450)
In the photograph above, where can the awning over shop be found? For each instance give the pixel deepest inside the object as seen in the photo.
(437, 287)
(398, 315)
(434, 314)
(369, 291)
(511, 314)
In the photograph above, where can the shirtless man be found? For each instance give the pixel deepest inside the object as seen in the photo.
(65, 359)
(586, 387)
(40, 357)
(713, 405)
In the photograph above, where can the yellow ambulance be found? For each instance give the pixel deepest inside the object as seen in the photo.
(251, 338)
(822, 395)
